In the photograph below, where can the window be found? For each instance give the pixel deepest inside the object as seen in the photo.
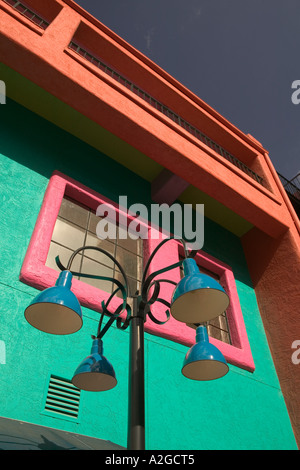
(67, 221)
(228, 333)
(75, 227)
(40, 14)
(28, 13)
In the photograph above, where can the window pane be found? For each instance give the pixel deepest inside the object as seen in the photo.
(135, 246)
(76, 227)
(92, 267)
(64, 255)
(218, 334)
(74, 213)
(93, 221)
(128, 262)
(68, 234)
(219, 322)
(133, 284)
(106, 245)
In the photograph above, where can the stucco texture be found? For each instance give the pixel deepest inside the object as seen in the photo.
(243, 410)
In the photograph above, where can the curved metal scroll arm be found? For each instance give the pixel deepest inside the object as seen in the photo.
(146, 285)
(148, 282)
(120, 287)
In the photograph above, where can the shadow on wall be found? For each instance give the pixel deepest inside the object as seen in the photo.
(18, 435)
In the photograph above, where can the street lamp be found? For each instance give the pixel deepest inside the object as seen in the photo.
(197, 298)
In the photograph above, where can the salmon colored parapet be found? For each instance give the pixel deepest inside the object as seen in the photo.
(179, 86)
(43, 60)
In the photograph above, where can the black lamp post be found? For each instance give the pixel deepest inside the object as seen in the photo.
(197, 298)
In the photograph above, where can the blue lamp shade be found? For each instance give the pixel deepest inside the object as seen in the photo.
(95, 373)
(56, 310)
(204, 361)
(197, 298)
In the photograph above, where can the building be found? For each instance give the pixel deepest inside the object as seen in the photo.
(87, 119)
(292, 188)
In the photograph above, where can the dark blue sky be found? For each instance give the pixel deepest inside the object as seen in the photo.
(241, 57)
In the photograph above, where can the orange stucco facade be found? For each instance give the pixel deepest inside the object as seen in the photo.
(45, 67)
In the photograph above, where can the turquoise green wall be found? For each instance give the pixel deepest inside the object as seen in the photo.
(243, 410)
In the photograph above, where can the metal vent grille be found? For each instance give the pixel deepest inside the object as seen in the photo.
(62, 397)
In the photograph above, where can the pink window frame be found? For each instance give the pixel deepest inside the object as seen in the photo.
(239, 352)
(35, 273)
